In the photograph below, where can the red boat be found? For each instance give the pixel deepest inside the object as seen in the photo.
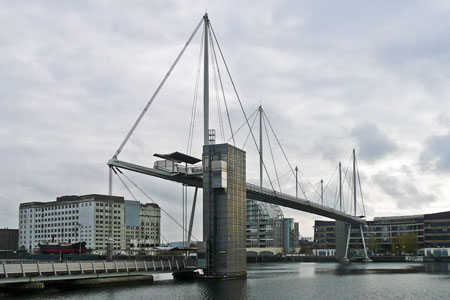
(63, 247)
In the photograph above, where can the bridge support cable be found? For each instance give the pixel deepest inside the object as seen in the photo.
(271, 154)
(136, 123)
(349, 184)
(329, 180)
(242, 125)
(285, 156)
(281, 177)
(239, 100)
(147, 196)
(336, 195)
(360, 188)
(195, 99)
(125, 185)
(214, 56)
(163, 237)
(216, 86)
(248, 135)
(134, 197)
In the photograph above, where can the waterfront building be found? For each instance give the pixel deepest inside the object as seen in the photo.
(385, 234)
(90, 218)
(9, 239)
(389, 235)
(437, 230)
(142, 225)
(324, 238)
(267, 228)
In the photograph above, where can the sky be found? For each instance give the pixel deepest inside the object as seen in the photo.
(331, 76)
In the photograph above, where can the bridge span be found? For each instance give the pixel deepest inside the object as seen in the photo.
(254, 192)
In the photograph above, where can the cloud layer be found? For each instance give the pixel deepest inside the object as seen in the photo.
(331, 77)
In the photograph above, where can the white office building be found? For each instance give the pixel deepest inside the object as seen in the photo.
(89, 218)
(142, 222)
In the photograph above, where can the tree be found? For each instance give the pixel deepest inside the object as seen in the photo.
(408, 242)
(395, 245)
(373, 244)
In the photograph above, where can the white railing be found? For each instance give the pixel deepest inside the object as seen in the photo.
(37, 268)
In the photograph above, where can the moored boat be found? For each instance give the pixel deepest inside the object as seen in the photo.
(62, 247)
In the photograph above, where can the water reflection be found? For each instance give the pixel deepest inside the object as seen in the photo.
(224, 289)
(385, 268)
(437, 267)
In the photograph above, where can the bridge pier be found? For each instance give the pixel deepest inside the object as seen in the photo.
(343, 241)
(224, 211)
(342, 235)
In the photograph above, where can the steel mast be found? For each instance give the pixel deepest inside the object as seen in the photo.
(260, 146)
(354, 180)
(206, 85)
(321, 191)
(340, 186)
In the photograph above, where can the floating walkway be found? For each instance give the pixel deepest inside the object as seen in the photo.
(26, 272)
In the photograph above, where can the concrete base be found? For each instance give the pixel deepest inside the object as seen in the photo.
(344, 260)
(367, 259)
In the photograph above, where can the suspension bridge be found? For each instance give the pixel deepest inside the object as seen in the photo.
(222, 173)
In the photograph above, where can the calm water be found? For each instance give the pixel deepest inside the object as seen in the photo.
(289, 281)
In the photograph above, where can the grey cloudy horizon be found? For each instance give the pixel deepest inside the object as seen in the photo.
(331, 76)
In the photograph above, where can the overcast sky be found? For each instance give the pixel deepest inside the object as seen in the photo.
(331, 76)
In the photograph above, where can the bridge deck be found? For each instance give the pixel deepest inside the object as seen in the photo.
(254, 192)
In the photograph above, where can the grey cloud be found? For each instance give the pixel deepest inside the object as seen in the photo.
(436, 154)
(403, 190)
(75, 75)
(444, 119)
(373, 144)
(331, 148)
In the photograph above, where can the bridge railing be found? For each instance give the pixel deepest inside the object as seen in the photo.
(287, 197)
(31, 269)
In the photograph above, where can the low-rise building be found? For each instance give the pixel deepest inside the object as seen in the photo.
(389, 235)
(9, 239)
(437, 230)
